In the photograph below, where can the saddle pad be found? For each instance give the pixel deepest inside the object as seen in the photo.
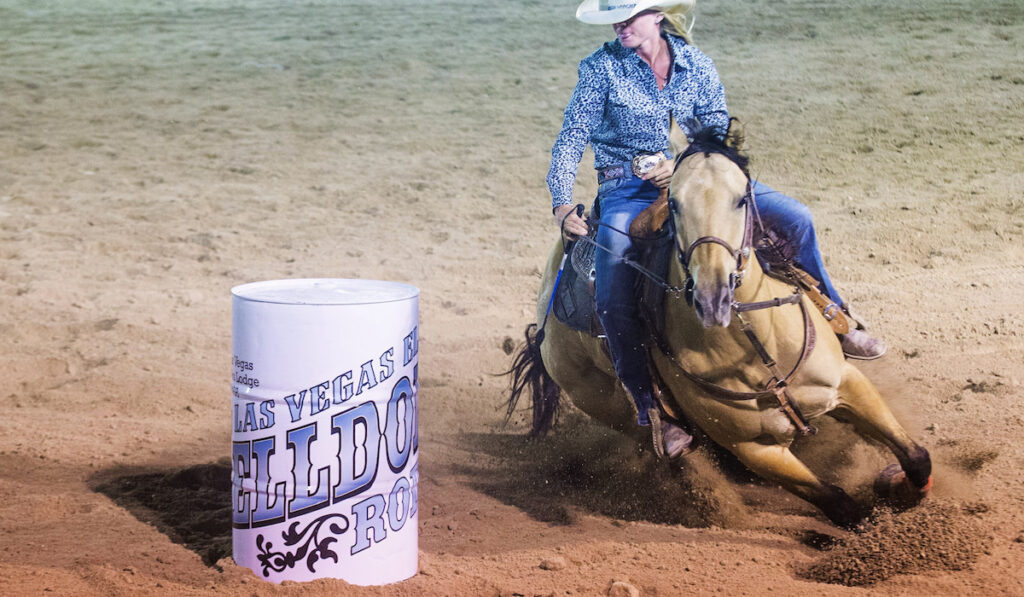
(574, 297)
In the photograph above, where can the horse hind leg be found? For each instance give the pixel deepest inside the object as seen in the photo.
(600, 396)
(860, 404)
(777, 463)
(569, 358)
(556, 361)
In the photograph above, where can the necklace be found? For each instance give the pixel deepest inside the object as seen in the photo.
(661, 80)
(660, 62)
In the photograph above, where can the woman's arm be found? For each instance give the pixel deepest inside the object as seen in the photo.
(710, 109)
(582, 116)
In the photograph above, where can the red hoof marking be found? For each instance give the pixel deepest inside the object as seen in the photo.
(927, 486)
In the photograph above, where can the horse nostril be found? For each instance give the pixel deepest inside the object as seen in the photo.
(724, 307)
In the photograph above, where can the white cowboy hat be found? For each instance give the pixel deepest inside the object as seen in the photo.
(609, 12)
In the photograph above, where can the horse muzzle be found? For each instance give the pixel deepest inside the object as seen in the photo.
(713, 304)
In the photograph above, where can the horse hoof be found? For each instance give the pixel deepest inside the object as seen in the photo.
(894, 488)
(842, 510)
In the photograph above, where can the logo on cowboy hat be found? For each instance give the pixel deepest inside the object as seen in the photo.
(608, 12)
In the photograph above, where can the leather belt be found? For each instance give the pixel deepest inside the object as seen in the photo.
(614, 171)
(639, 165)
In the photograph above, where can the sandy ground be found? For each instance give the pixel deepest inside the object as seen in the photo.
(153, 154)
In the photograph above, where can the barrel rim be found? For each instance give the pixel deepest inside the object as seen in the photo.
(240, 291)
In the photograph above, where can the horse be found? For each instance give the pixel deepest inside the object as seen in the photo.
(708, 362)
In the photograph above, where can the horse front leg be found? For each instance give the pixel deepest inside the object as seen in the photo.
(861, 405)
(777, 463)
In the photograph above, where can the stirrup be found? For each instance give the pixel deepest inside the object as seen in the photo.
(855, 317)
(656, 438)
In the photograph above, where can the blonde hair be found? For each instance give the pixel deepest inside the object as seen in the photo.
(678, 21)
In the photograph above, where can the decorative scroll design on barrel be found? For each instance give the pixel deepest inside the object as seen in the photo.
(310, 545)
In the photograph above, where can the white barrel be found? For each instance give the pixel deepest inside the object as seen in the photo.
(324, 433)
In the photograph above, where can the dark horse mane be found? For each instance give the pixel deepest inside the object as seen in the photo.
(709, 140)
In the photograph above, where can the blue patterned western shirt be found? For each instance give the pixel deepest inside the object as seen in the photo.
(618, 108)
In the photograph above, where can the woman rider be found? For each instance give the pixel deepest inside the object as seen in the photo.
(621, 107)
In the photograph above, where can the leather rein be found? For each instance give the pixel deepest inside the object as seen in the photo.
(777, 386)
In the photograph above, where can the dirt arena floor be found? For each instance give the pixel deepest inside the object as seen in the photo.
(153, 154)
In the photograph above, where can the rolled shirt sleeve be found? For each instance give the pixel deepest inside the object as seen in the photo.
(582, 115)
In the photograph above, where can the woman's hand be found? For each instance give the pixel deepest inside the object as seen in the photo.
(660, 175)
(574, 224)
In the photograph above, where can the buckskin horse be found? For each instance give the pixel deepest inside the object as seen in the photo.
(723, 347)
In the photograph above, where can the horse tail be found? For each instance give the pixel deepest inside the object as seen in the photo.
(528, 371)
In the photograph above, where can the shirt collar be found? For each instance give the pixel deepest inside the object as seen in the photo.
(676, 46)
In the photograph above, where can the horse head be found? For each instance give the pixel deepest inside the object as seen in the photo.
(708, 197)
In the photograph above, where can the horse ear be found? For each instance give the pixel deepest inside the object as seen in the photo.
(734, 137)
(676, 136)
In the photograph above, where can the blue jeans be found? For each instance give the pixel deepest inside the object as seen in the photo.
(792, 221)
(621, 200)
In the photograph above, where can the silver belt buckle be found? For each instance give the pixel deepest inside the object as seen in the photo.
(642, 164)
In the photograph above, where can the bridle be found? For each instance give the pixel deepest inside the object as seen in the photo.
(741, 254)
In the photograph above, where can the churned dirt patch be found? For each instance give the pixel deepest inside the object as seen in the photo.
(935, 536)
(583, 468)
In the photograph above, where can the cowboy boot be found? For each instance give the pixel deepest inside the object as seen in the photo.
(676, 440)
(858, 343)
(670, 441)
